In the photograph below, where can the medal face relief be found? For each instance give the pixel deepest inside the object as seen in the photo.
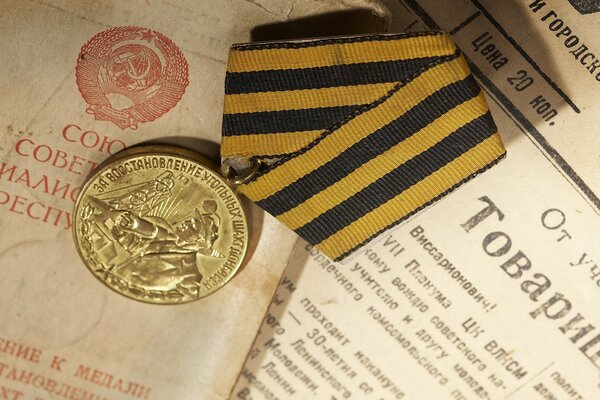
(158, 225)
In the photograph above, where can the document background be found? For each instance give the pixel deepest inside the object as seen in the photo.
(398, 322)
(51, 304)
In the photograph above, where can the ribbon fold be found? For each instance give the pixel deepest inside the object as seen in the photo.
(362, 132)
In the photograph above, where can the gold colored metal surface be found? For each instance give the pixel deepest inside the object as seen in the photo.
(159, 225)
(235, 178)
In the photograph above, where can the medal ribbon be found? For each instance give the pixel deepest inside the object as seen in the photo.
(362, 132)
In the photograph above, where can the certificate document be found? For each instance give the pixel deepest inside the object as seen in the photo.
(80, 81)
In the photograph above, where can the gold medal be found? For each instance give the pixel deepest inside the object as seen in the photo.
(339, 166)
(158, 224)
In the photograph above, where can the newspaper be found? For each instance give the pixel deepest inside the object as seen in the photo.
(64, 335)
(492, 293)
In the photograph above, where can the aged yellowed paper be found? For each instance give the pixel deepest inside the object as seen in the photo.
(79, 82)
(493, 292)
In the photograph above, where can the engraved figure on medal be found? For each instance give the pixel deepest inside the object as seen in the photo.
(158, 235)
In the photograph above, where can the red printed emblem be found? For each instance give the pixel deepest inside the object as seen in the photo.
(129, 75)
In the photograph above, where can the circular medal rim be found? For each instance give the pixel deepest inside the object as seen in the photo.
(165, 150)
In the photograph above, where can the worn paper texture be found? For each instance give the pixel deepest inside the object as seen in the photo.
(491, 293)
(64, 335)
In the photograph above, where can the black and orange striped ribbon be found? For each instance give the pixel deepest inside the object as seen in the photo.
(364, 131)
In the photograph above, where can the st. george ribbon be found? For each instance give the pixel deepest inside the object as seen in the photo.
(354, 134)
